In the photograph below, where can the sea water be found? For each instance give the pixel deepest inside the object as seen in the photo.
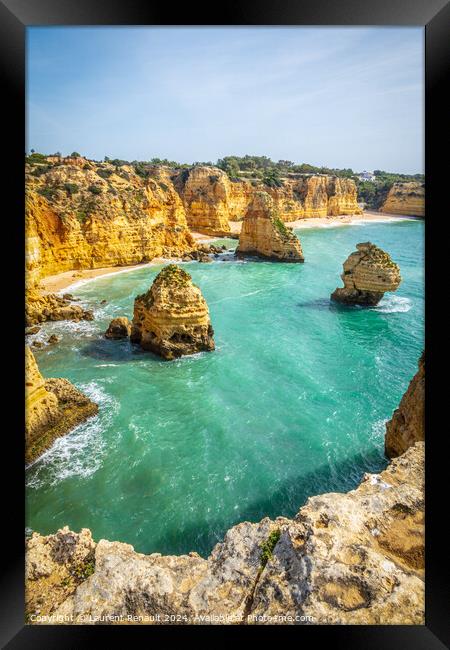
(292, 403)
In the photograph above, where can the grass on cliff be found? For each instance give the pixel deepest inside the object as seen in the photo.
(268, 546)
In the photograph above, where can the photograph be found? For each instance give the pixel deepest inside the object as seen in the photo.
(224, 325)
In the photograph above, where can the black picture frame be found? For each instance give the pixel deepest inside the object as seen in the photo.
(15, 16)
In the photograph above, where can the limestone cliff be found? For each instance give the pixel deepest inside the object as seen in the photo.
(264, 234)
(406, 198)
(90, 215)
(211, 199)
(368, 273)
(354, 558)
(407, 424)
(206, 196)
(52, 408)
(172, 318)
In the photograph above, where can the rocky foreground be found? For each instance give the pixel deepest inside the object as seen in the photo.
(368, 273)
(354, 558)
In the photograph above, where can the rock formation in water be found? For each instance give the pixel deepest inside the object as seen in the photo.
(52, 408)
(265, 235)
(406, 198)
(41, 307)
(119, 328)
(368, 273)
(172, 318)
(407, 424)
(355, 558)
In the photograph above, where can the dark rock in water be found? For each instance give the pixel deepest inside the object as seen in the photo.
(119, 328)
(103, 302)
(53, 339)
(32, 330)
(38, 344)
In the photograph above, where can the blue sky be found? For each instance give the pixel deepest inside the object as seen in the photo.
(340, 97)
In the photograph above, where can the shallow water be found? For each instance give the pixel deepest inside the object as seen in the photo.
(292, 403)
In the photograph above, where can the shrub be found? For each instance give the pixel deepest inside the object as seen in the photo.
(268, 546)
(95, 189)
(71, 188)
(47, 192)
(75, 154)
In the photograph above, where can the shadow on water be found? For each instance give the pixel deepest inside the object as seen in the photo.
(121, 351)
(286, 501)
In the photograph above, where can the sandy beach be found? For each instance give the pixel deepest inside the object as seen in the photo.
(69, 279)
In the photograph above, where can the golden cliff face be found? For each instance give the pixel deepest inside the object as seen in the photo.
(52, 408)
(205, 192)
(264, 234)
(368, 273)
(407, 425)
(92, 215)
(172, 318)
(406, 198)
(211, 199)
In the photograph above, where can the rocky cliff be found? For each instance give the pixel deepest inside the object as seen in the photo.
(211, 199)
(172, 318)
(90, 215)
(368, 273)
(52, 408)
(354, 558)
(406, 198)
(407, 425)
(264, 234)
(82, 214)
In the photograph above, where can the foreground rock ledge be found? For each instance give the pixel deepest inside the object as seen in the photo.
(264, 234)
(368, 273)
(354, 558)
(172, 318)
(53, 407)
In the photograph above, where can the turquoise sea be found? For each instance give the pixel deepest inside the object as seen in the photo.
(292, 403)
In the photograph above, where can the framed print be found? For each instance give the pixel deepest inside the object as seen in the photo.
(227, 291)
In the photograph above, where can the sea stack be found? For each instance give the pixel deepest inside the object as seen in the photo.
(265, 235)
(52, 408)
(368, 273)
(407, 425)
(119, 328)
(172, 318)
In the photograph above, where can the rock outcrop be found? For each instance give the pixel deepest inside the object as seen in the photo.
(52, 408)
(172, 318)
(211, 199)
(119, 328)
(96, 215)
(264, 234)
(354, 558)
(41, 307)
(368, 273)
(407, 424)
(406, 198)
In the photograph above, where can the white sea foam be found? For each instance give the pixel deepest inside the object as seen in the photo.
(393, 304)
(80, 452)
(378, 430)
